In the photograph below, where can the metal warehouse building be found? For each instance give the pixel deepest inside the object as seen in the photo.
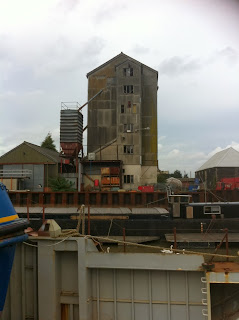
(29, 167)
(224, 164)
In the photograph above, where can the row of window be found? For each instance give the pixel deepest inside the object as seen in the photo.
(128, 178)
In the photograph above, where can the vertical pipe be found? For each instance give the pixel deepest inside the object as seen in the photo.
(132, 293)
(71, 312)
(11, 183)
(168, 296)
(124, 239)
(227, 247)
(23, 292)
(83, 220)
(35, 289)
(117, 152)
(77, 164)
(43, 213)
(28, 217)
(115, 295)
(100, 152)
(208, 296)
(47, 175)
(150, 297)
(98, 293)
(175, 238)
(187, 295)
(88, 220)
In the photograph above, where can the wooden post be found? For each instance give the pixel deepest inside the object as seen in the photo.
(124, 239)
(227, 248)
(175, 238)
(83, 221)
(88, 220)
(28, 216)
(43, 214)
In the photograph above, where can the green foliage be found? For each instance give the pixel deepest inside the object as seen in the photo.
(48, 142)
(61, 184)
(177, 174)
(162, 177)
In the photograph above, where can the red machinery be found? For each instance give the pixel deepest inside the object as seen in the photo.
(228, 184)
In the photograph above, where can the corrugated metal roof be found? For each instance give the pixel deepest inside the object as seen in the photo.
(225, 158)
(51, 154)
(93, 210)
(149, 211)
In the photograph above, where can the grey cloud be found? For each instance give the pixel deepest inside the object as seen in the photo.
(230, 55)
(67, 5)
(108, 11)
(176, 66)
(64, 56)
(139, 49)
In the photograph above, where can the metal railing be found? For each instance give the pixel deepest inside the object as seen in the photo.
(22, 173)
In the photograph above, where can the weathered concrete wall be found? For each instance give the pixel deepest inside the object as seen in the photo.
(125, 111)
(22, 296)
(134, 170)
(142, 175)
(149, 118)
(148, 174)
(72, 280)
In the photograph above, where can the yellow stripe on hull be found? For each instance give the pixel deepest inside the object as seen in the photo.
(8, 218)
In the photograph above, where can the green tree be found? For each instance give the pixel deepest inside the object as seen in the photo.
(162, 177)
(177, 174)
(61, 184)
(48, 142)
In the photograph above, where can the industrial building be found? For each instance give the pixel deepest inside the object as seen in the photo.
(224, 164)
(122, 120)
(29, 167)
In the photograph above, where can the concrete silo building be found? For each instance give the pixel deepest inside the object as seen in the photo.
(122, 120)
(223, 164)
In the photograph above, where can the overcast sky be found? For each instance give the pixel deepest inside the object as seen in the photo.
(48, 46)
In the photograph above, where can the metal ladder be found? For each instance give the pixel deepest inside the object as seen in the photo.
(204, 300)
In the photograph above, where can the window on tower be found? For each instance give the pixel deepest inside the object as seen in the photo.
(128, 149)
(128, 178)
(129, 89)
(129, 127)
(128, 72)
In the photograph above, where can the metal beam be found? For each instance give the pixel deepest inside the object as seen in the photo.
(140, 261)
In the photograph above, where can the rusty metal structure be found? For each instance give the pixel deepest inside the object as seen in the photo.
(83, 282)
(71, 130)
(115, 199)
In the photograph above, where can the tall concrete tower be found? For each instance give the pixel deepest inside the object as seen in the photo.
(122, 121)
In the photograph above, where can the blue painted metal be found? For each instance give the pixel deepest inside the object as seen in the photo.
(6, 206)
(8, 243)
(12, 241)
(6, 261)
